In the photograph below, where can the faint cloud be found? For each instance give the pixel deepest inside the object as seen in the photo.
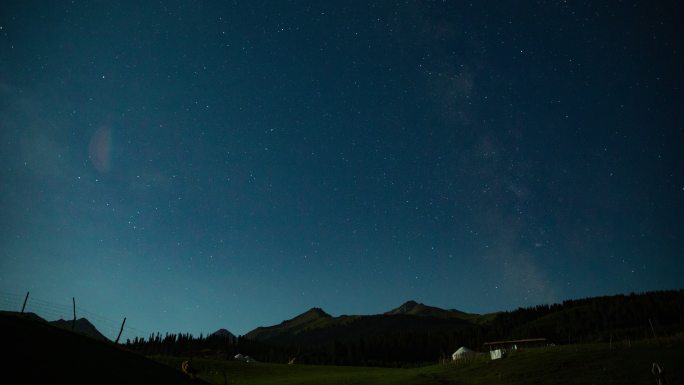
(527, 281)
(448, 82)
(514, 262)
(499, 198)
(450, 88)
(100, 149)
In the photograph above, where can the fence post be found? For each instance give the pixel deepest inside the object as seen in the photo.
(652, 330)
(73, 323)
(24, 306)
(120, 330)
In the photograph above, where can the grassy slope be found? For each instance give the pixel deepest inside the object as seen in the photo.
(36, 352)
(572, 364)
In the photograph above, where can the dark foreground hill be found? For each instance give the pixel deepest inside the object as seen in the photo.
(27, 315)
(81, 325)
(39, 353)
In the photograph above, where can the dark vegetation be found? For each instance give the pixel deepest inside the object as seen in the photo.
(416, 335)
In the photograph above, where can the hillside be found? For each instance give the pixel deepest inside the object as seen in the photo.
(39, 353)
(82, 326)
(28, 315)
(596, 319)
(313, 318)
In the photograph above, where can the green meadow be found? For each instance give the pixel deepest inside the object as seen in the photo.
(622, 363)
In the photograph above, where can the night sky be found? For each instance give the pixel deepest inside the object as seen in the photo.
(202, 165)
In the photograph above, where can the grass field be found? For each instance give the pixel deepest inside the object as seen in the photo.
(570, 364)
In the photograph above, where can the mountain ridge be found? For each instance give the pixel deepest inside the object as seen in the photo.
(309, 319)
(317, 326)
(412, 307)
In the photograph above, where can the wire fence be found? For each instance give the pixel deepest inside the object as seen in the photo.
(51, 311)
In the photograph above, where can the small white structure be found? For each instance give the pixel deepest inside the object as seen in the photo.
(240, 357)
(462, 352)
(495, 354)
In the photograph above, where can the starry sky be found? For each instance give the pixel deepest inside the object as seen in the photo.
(202, 165)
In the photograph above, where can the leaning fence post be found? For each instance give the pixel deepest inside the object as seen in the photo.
(24, 306)
(120, 330)
(73, 323)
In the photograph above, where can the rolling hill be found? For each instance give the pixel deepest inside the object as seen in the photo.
(36, 352)
(82, 325)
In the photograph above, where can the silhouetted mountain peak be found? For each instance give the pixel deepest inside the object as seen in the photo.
(310, 318)
(414, 308)
(315, 312)
(407, 307)
(311, 315)
(222, 333)
(82, 326)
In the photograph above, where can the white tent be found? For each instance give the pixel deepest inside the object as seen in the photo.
(495, 354)
(240, 357)
(462, 352)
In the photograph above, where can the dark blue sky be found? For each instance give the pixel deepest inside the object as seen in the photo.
(193, 166)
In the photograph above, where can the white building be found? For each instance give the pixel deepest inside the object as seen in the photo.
(462, 352)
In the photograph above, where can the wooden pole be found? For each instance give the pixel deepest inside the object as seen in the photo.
(24, 306)
(73, 323)
(120, 330)
(652, 330)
